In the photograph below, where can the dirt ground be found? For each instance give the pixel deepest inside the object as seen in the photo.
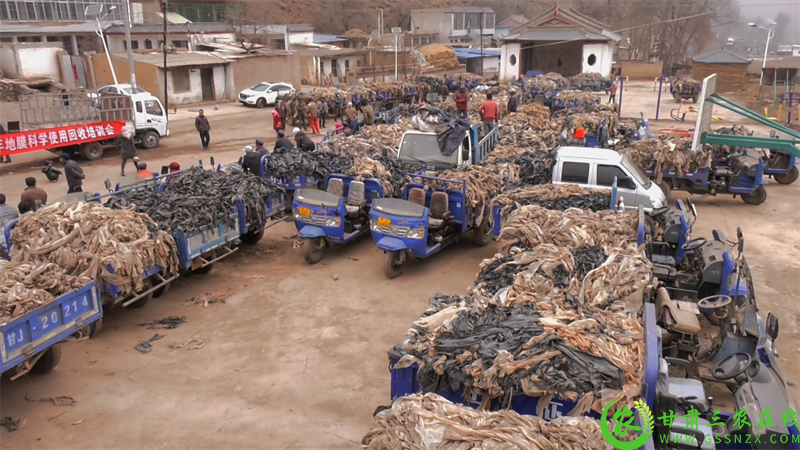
(295, 357)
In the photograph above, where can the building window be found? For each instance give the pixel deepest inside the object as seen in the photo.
(148, 44)
(181, 81)
(488, 20)
(346, 66)
(592, 59)
(135, 45)
(473, 21)
(512, 60)
(36, 39)
(180, 44)
(124, 44)
(458, 21)
(53, 39)
(334, 68)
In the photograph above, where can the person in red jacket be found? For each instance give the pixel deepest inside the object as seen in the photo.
(579, 138)
(462, 100)
(490, 113)
(612, 93)
(276, 120)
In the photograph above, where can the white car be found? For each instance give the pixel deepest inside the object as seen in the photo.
(264, 94)
(124, 89)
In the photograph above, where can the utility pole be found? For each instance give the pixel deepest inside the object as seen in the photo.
(126, 15)
(164, 48)
(481, 42)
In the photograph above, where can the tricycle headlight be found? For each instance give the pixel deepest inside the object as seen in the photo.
(416, 233)
(333, 221)
(373, 225)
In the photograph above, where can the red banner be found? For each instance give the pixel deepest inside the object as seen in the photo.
(36, 140)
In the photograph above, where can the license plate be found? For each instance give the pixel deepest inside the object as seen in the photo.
(197, 263)
(687, 306)
(384, 222)
(304, 211)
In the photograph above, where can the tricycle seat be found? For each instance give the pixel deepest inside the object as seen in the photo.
(663, 259)
(398, 207)
(315, 197)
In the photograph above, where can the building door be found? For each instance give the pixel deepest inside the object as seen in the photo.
(207, 81)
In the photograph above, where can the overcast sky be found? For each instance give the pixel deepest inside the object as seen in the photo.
(770, 9)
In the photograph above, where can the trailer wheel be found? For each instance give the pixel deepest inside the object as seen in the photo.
(756, 197)
(483, 234)
(150, 140)
(788, 177)
(393, 262)
(665, 188)
(676, 97)
(314, 249)
(49, 360)
(91, 151)
(162, 290)
(252, 237)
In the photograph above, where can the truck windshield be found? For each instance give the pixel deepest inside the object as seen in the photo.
(636, 172)
(425, 149)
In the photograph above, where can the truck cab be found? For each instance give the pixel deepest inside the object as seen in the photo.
(149, 119)
(595, 168)
(423, 147)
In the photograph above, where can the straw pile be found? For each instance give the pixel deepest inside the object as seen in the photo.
(483, 183)
(584, 78)
(439, 56)
(387, 135)
(582, 97)
(675, 156)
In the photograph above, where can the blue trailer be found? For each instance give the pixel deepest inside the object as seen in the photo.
(336, 216)
(423, 223)
(31, 343)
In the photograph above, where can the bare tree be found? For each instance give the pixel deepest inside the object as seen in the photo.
(248, 20)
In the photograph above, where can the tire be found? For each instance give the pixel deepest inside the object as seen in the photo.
(251, 237)
(48, 361)
(314, 249)
(539, 98)
(260, 103)
(788, 177)
(392, 266)
(91, 151)
(203, 270)
(483, 234)
(757, 197)
(665, 188)
(142, 301)
(150, 140)
(676, 97)
(380, 409)
(93, 328)
(162, 290)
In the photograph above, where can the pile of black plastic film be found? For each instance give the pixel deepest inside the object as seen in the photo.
(287, 164)
(535, 167)
(556, 197)
(402, 110)
(566, 326)
(196, 197)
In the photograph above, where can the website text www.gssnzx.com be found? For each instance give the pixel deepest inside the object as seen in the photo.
(730, 439)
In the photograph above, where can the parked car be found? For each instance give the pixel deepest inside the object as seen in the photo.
(264, 94)
(124, 89)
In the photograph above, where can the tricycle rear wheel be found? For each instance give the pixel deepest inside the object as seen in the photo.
(49, 360)
(788, 177)
(142, 301)
(314, 249)
(756, 197)
(252, 237)
(162, 290)
(483, 234)
(393, 262)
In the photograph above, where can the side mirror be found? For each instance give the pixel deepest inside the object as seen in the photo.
(773, 327)
(107, 183)
(691, 206)
(212, 162)
(740, 236)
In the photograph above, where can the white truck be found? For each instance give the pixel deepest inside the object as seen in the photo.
(86, 124)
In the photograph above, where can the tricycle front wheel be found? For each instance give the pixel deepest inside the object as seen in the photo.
(314, 249)
(394, 260)
(788, 177)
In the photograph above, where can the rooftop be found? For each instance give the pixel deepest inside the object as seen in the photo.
(469, 53)
(790, 62)
(188, 28)
(720, 57)
(468, 9)
(327, 38)
(551, 25)
(177, 59)
(86, 27)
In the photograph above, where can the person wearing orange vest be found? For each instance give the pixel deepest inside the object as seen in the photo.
(579, 138)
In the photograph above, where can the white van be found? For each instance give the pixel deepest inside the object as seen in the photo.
(596, 168)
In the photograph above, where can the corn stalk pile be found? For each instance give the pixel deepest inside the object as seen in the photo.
(584, 78)
(370, 168)
(429, 422)
(533, 167)
(85, 239)
(685, 83)
(27, 286)
(658, 154)
(538, 113)
(562, 328)
(587, 117)
(553, 197)
(735, 130)
(520, 131)
(530, 226)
